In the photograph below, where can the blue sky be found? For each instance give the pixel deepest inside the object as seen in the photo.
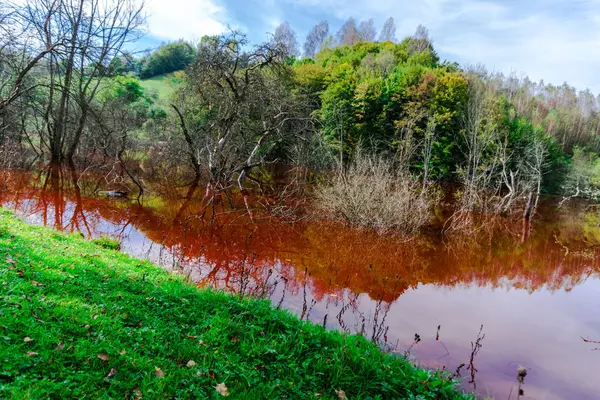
(553, 40)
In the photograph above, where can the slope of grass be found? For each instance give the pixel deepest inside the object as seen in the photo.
(163, 86)
(79, 320)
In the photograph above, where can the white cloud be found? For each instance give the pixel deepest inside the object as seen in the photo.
(175, 19)
(553, 47)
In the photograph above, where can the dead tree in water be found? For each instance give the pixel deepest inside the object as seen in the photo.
(236, 106)
(479, 139)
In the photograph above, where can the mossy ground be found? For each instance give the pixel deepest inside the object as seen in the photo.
(81, 321)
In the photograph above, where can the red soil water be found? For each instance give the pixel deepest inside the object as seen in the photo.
(534, 289)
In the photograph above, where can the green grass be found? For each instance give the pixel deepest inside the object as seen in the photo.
(107, 243)
(163, 85)
(81, 321)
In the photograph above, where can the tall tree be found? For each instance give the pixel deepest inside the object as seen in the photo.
(91, 33)
(286, 37)
(367, 31)
(420, 41)
(348, 33)
(20, 52)
(315, 38)
(235, 107)
(388, 32)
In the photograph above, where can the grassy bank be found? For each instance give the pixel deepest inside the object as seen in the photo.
(78, 320)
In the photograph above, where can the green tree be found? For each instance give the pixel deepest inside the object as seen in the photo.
(167, 58)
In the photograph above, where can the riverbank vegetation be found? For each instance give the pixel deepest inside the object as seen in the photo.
(233, 108)
(80, 320)
(372, 194)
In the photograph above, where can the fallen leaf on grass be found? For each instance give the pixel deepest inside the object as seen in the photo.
(36, 283)
(159, 372)
(191, 364)
(103, 357)
(28, 339)
(122, 352)
(31, 354)
(111, 373)
(341, 394)
(138, 394)
(222, 389)
(59, 346)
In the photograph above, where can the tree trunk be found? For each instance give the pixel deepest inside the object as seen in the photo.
(188, 139)
(529, 207)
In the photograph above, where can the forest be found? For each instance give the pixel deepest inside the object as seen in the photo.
(380, 127)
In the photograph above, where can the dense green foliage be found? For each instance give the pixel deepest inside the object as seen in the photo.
(79, 320)
(168, 58)
(383, 97)
(378, 94)
(122, 65)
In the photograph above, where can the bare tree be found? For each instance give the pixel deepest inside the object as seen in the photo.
(427, 152)
(420, 41)
(315, 38)
(388, 32)
(480, 135)
(286, 37)
(536, 167)
(367, 31)
(90, 33)
(20, 52)
(348, 33)
(235, 106)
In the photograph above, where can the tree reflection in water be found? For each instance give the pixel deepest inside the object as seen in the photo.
(338, 277)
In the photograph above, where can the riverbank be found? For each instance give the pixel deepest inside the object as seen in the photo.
(81, 320)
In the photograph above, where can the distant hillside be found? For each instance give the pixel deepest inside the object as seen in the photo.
(163, 86)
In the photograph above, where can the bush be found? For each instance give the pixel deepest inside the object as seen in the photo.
(372, 195)
(583, 176)
(168, 58)
(107, 243)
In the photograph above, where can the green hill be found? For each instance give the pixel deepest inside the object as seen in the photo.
(163, 86)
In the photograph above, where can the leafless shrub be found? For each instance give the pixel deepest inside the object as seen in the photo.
(371, 194)
(288, 202)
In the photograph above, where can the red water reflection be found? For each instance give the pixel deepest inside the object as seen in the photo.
(522, 291)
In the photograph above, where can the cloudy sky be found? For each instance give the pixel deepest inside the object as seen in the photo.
(553, 40)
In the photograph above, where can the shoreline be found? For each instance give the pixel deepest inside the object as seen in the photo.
(80, 319)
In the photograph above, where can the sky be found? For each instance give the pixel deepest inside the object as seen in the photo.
(554, 40)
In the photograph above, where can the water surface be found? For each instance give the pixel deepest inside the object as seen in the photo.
(481, 302)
